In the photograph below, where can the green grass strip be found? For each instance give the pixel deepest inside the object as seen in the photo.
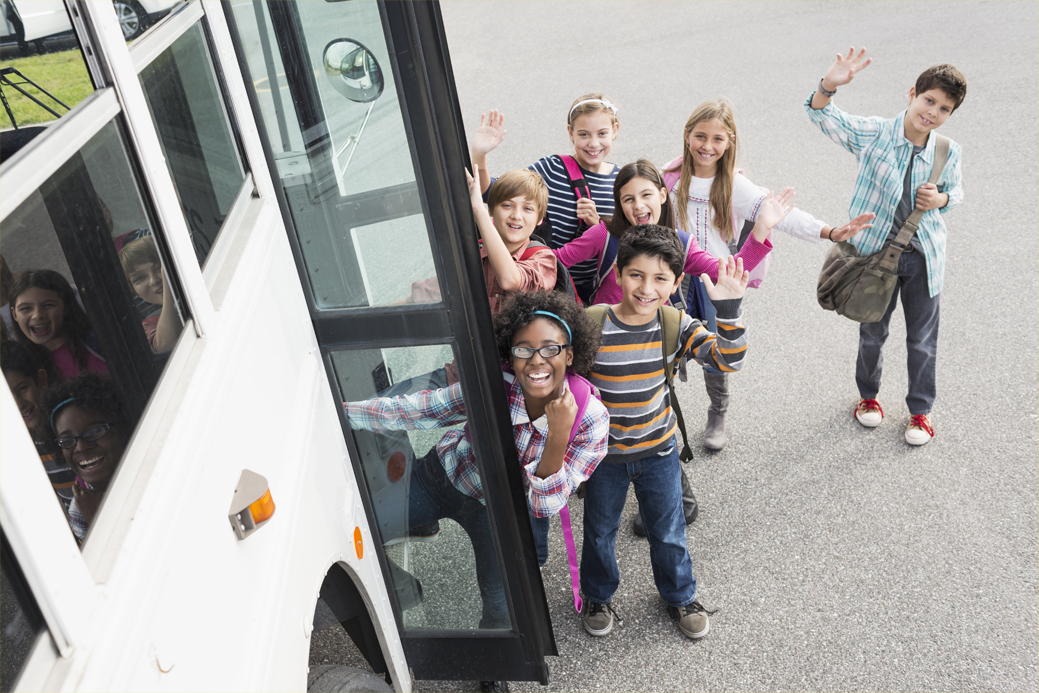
(62, 74)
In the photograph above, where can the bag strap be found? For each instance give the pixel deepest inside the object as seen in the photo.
(671, 326)
(606, 261)
(912, 222)
(577, 180)
(532, 249)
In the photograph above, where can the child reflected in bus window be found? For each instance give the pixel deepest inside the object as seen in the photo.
(27, 382)
(144, 273)
(50, 322)
(91, 429)
(6, 279)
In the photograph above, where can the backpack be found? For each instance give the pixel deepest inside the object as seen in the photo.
(564, 283)
(757, 275)
(583, 391)
(671, 325)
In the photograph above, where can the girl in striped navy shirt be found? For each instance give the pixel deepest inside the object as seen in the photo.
(592, 124)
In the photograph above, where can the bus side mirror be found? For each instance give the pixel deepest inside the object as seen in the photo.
(353, 70)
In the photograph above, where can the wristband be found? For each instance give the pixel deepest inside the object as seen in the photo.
(824, 92)
(829, 235)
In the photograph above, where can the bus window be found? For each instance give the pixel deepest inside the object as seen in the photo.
(21, 622)
(89, 293)
(49, 77)
(342, 153)
(195, 133)
(426, 493)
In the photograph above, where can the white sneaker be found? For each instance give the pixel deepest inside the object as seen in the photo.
(920, 430)
(868, 413)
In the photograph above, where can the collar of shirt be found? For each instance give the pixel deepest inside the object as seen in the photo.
(515, 256)
(518, 409)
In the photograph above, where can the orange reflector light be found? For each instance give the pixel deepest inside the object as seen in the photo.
(262, 509)
(358, 543)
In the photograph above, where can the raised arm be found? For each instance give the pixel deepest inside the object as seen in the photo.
(420, 411)
(586, 246)
(509, 275)
(840, 73)
(487, 138)
(726, 350)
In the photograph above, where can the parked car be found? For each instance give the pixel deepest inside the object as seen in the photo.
(34, 21)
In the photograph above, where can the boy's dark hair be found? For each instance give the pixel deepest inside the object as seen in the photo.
(91, 390)
(653, 241)
(618, 224)
(519, 182)
(944, 77)
(16, 358)
(517, 311)
(75, 323)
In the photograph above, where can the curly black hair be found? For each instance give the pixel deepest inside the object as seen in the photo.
(517, 312)
(91, 390)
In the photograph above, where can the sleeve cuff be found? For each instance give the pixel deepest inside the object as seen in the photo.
(729, 309)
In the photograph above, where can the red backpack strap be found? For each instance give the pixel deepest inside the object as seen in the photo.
(532, 249)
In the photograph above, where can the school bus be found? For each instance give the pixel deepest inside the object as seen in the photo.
(297, 166)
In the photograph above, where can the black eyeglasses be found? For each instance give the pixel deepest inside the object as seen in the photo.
(69, 442)
(546, 352)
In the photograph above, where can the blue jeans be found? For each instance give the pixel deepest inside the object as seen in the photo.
(433, 497)
(658, 487)
(921, 313)
(540, 527)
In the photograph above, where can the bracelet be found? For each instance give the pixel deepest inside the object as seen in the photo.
(829, 235)
(824, 92)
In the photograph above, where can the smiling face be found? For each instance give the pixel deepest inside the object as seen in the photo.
(708, 140)
(641, 200)
(927, 111)
(515, 219)
(40, 313)
(541, 379)
(94, 461)
(592, 136)
(647, 283)
(146, 280)
(28, 393)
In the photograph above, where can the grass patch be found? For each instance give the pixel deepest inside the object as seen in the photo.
(63, 74)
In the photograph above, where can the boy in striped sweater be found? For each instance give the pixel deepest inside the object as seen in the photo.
(643, 449)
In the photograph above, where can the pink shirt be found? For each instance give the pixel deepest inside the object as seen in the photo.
(67, 367)
(590, 245)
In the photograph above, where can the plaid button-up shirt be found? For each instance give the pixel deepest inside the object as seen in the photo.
(883, 153)
(438, 408)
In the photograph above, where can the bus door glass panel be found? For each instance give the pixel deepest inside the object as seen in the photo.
(21, 622)
(83, 244)
(329, 105)
(187, 108)
(425, 496)
(42, 75)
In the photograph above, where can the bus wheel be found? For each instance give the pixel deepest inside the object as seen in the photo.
(343, 679)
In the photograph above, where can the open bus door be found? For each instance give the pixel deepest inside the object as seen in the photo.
(358, 114)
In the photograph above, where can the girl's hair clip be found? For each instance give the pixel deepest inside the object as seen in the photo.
(606, 104)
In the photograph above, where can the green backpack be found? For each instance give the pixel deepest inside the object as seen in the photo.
(671, 320)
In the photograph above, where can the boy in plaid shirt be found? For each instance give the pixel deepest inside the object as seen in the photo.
(895, 157)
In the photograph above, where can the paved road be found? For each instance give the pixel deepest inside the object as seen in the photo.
(838, 557)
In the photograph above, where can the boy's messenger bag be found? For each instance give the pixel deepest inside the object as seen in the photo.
(860, 288)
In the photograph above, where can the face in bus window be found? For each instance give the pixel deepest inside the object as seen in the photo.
(93, 460)
(28, 393)
(146, 280)
(40, 314)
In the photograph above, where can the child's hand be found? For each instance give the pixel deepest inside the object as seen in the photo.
(475, 196)
(490, 133)
(88, 501)
(561, 413)
(844, 69)
(774, 209)
(843, 233)
(732, 280)
(928, 197)
(586, 211)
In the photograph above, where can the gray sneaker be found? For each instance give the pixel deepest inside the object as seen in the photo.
(598, 618)
(692, 619)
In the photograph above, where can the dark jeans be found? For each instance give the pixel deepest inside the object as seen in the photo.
(658, 487)
(921, 314)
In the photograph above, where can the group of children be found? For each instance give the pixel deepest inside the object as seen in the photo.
(629, 235)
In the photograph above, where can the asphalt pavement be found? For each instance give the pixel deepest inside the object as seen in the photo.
(838, 558)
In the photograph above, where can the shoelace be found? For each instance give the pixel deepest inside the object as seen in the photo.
(867, 405)
(920, 421)
(697, 606)
(594, 607)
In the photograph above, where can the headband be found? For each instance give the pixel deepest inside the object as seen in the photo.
(58, 406)
(563, 322)
(606, 104)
